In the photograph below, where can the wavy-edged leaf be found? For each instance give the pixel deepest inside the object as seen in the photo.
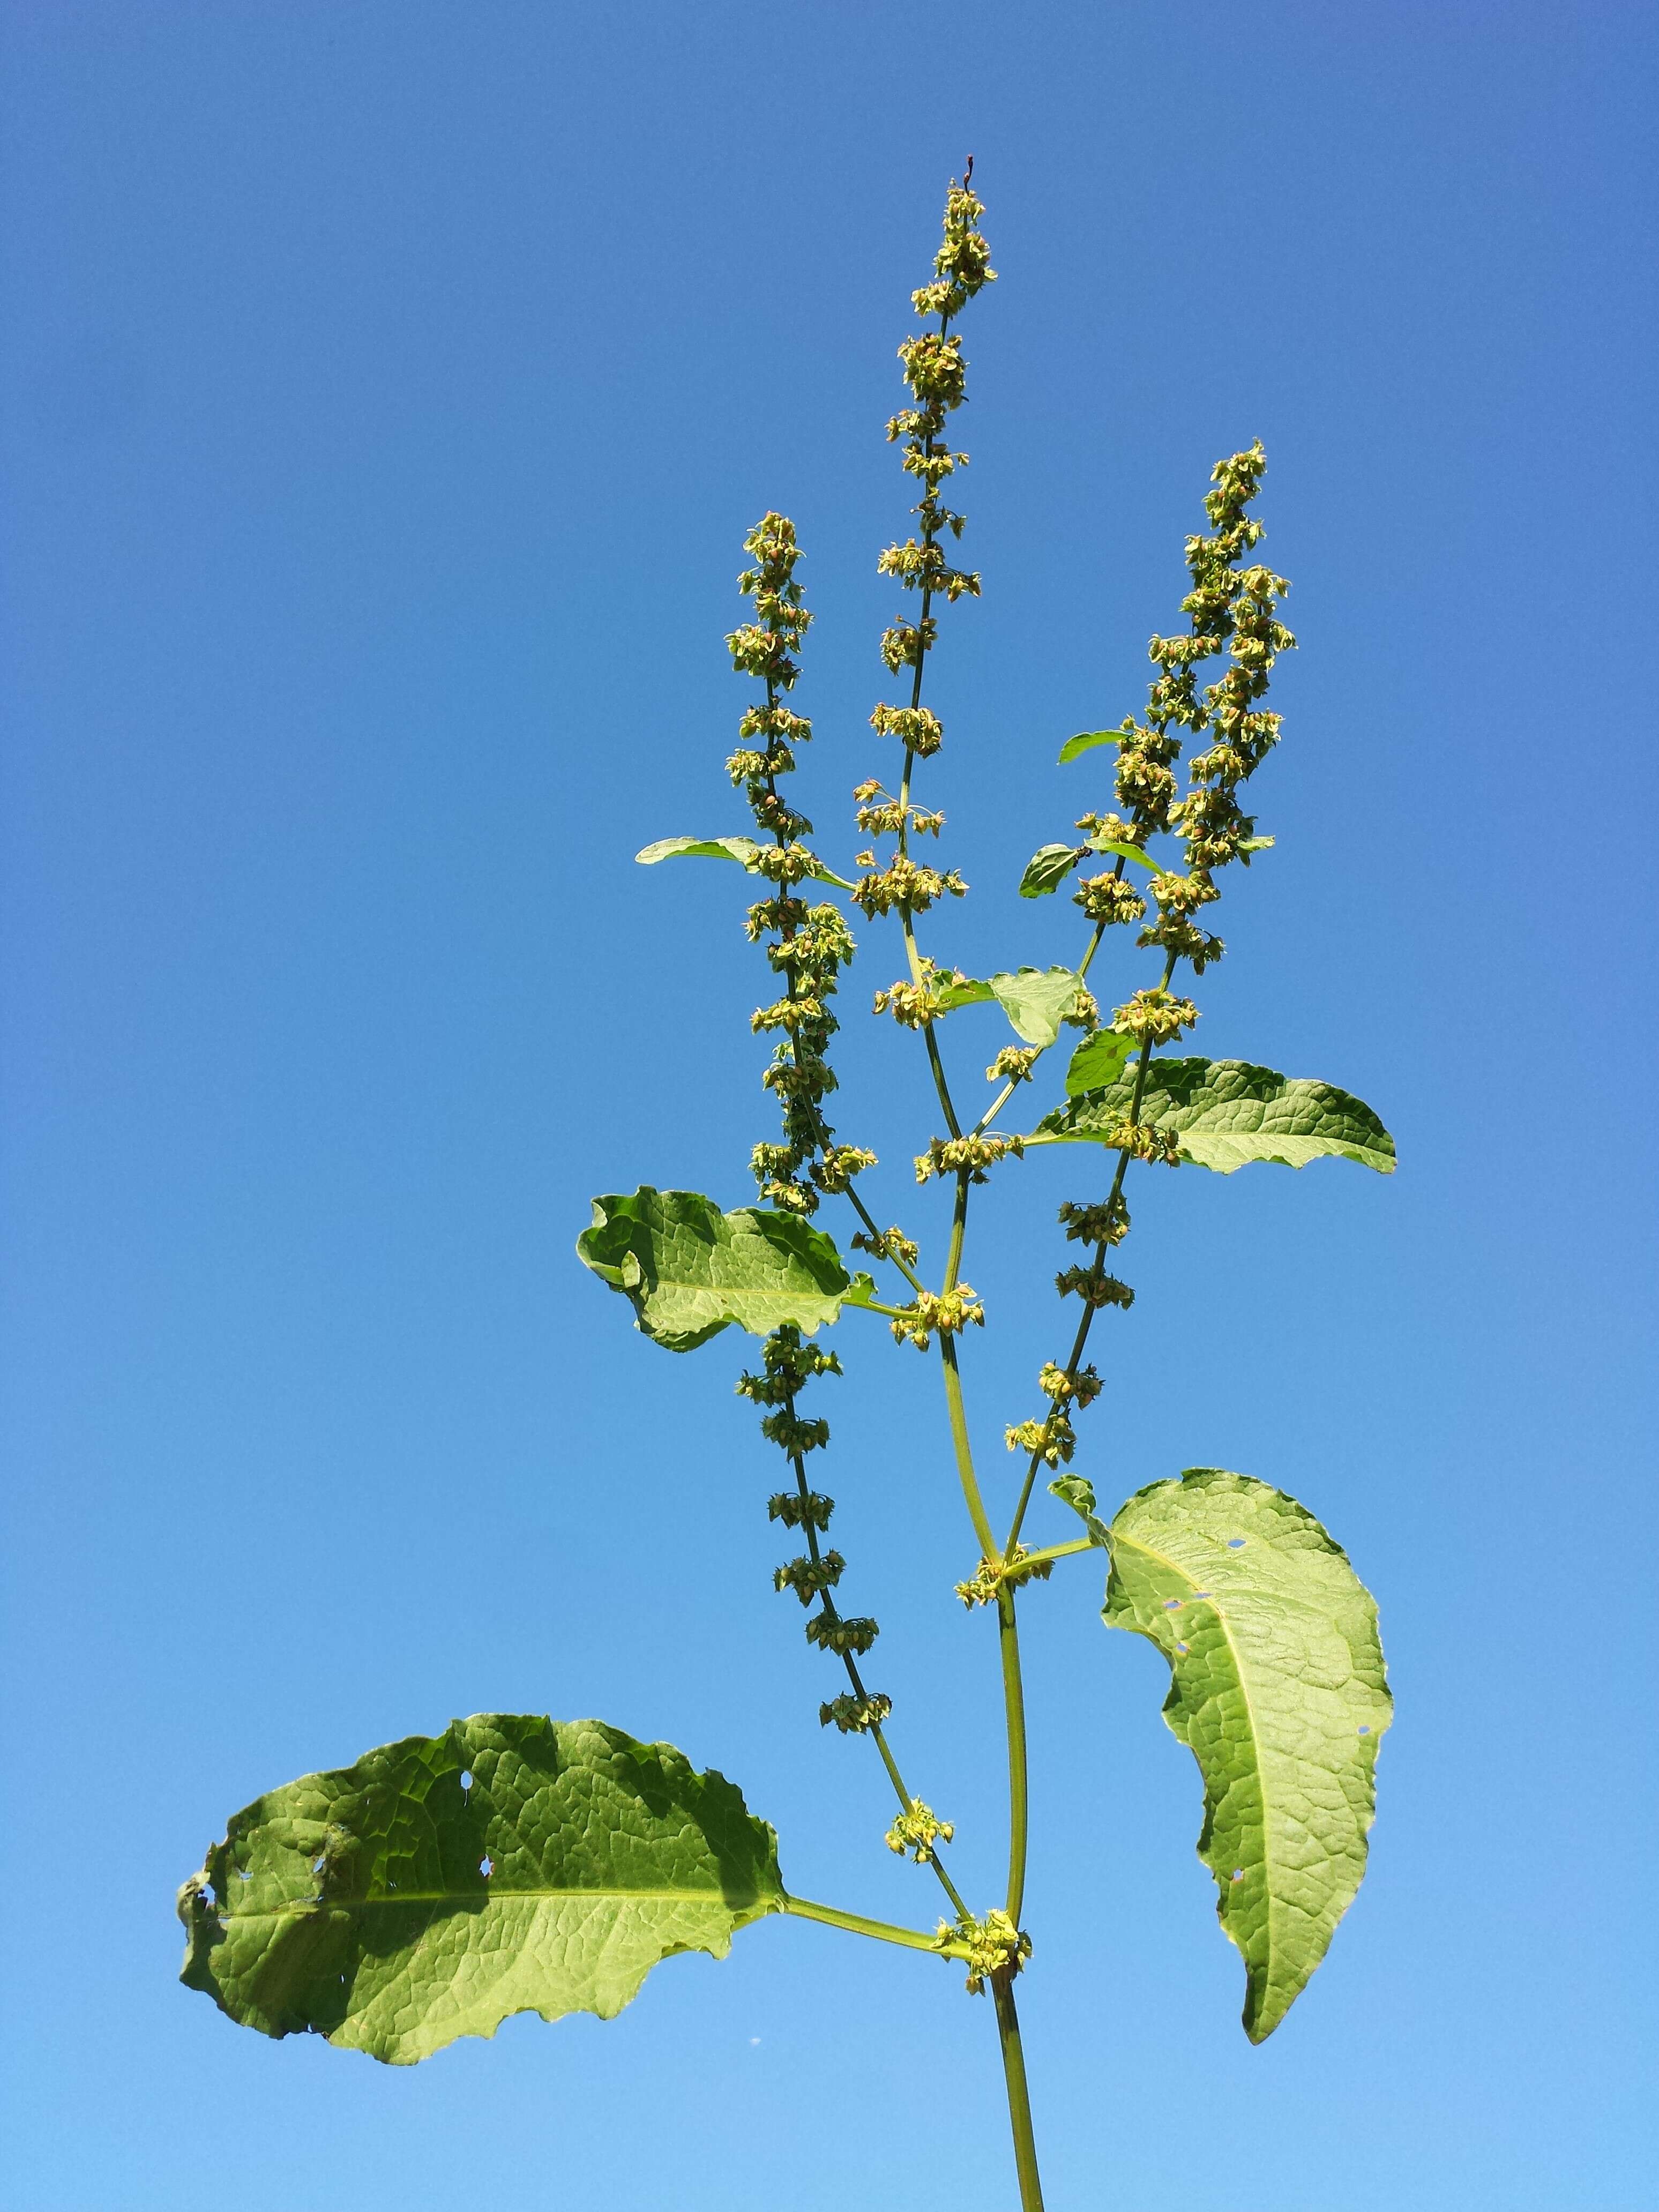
(690, 1270)
(1099, 1060)
(1047, 869)
(1277, 1686)
(744, 850)
(511, 1864)
(1085, 741)
(1230, 1112)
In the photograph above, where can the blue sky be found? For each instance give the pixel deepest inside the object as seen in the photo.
(386, 391)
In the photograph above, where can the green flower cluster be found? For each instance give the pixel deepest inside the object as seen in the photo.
(936, 373)
(806, 945)
(1232, 607)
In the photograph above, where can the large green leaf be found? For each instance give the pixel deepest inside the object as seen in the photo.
(1228, 1113)
(744, 850)
(1086, 740)
(689, 1269)
(1277, 1686)
(512, 1864)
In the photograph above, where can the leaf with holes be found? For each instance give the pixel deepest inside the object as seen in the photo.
(1228, 1113)
(744, 850)
(1277, 1686)
(690, 1270)
(511, 1864)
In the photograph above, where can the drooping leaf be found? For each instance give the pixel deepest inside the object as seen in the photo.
(689, 1269)
(1278, 1687)
(744, 850)
(1046, 870)
(511, 1864)
(1230, 1112)
(1036, 1000)
(1099, 1060)
(1085, 741)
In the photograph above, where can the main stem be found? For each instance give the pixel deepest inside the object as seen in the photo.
(1019, 2099)
(1014, 2060)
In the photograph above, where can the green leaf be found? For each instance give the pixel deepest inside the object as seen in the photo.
(961, 992)
(689, 1269)
(1127, 852)
(1046, 870)
(1099, 1060)
(1036, 1000)
(511, 1864)
(744, 850)
(1085, 741)
(1230, 1112)
(1277, 1686)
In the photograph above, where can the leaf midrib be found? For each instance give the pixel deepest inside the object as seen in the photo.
(485, 1896)
(1176, 1567)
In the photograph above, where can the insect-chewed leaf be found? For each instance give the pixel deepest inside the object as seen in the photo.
(1228, 1113)
(511, 1864)
(744, 850)
(1277, 1686)
(1099, 1060)
(1046, 870)
(1037, 1001)
(690, 1270)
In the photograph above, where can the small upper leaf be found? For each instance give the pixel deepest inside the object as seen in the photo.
(1230, 1112)
(512, 1864)
(689, 1269)
(1099, 1060)
(744, 850)
(1046, 870)
(1036, 1000)
(1086, 740)
(1277, 1686)
(1125, 851)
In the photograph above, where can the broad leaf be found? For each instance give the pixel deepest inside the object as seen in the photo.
(1036, 1000)
(1278, 1688)
(744, 850)
(1046, 870)
(1228, 1113)
(1085, 741)
(1099, 1060)
(690, 1270)
(512, 1864)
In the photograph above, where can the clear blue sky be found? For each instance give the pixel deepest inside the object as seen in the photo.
(386, 390)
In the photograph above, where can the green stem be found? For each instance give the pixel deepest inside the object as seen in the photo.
(900, 1789)
(1053, 1551)
(1097, 1270)
(1019, 2098)
(1013, 1702)
(884, 1931)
